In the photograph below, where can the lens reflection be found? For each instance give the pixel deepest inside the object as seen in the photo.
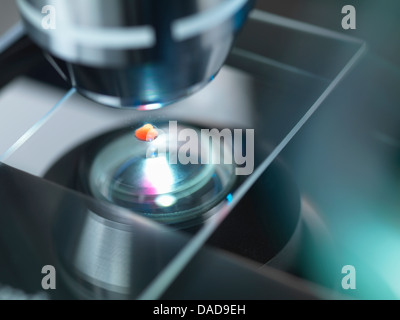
(138, 175)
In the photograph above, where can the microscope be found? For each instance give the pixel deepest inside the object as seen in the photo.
(88, 193)
(135, 55)
(138, 53)
(142, 55)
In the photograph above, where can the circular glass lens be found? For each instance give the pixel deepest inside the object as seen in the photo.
(168, 179)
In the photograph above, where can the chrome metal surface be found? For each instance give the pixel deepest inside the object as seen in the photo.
(102, 257)
(136, 53)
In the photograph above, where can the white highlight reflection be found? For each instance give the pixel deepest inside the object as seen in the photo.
(165, 200)
(158, 175)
